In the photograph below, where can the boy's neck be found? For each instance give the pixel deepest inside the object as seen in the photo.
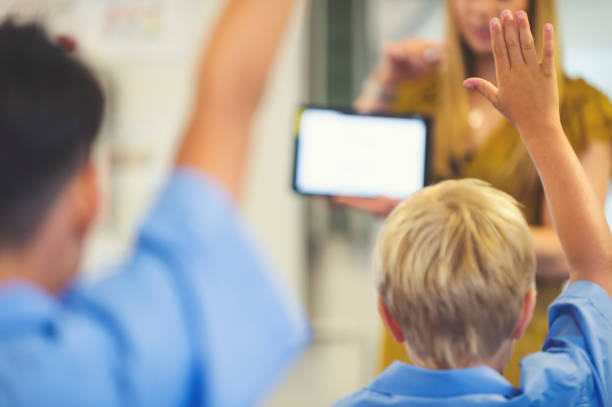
(19, 266)
(502, 358)
(16, 267)
(47, 264)
(497, 363)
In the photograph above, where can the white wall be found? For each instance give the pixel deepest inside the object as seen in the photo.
(587, 41)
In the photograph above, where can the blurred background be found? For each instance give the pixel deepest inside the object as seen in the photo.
(146, 53)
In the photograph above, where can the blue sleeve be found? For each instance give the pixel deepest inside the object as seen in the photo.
(577, 353)
(196, 310)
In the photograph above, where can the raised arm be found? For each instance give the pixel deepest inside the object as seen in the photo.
(231, 82)
(527, 95)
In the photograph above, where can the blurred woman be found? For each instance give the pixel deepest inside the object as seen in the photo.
(472, 140)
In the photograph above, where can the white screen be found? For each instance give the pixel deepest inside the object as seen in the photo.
(364, 156)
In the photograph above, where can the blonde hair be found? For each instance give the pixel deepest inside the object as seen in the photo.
(453, 264)
(453, 110)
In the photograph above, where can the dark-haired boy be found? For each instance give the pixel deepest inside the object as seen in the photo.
(194, 317)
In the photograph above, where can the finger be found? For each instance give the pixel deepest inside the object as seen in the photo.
(394, 52)
(433, 52)
(500, 53)
(413, 53)
(512, 39)
(375, 206)
(526, 38)
(485, 88)
(364, 204)
(341, 200)
(388, 206)
(431, 56)
(548, 55)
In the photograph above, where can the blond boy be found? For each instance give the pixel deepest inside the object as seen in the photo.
(456, 264)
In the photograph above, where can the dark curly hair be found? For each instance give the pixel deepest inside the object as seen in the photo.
(51, 108)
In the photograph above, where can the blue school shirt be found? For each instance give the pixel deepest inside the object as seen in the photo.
(574, 367)
(194, 318)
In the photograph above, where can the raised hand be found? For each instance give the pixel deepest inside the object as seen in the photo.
(402, 61)
(527, 94)
(526, 91)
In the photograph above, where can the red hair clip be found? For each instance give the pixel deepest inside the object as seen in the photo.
(67, 43)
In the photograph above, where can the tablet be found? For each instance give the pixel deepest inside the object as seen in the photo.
(343, 153)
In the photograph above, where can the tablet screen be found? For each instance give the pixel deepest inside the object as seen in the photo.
(349, 154)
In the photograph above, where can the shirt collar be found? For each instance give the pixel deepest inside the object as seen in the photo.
(23, 304)
(406, 380)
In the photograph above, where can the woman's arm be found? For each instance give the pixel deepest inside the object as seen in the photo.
(552, 264)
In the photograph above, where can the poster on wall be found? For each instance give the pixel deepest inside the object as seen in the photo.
(115, 29)
(150, 29)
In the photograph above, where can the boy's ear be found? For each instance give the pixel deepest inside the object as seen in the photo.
(86, 196)
(390, 322)
(529, 303)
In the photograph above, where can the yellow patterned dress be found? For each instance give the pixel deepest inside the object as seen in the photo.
(586, 115)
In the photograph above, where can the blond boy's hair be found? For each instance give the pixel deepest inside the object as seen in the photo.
(453, 264)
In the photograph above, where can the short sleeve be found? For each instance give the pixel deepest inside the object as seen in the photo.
(586, 113)
(198, 296)
(247, 328)
(580, 322)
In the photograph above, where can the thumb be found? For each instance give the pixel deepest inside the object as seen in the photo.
(485, 88)
(393, 51)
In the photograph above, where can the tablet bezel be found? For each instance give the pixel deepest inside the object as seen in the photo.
(427, 120)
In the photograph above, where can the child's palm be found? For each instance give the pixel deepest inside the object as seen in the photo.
(527, 89)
